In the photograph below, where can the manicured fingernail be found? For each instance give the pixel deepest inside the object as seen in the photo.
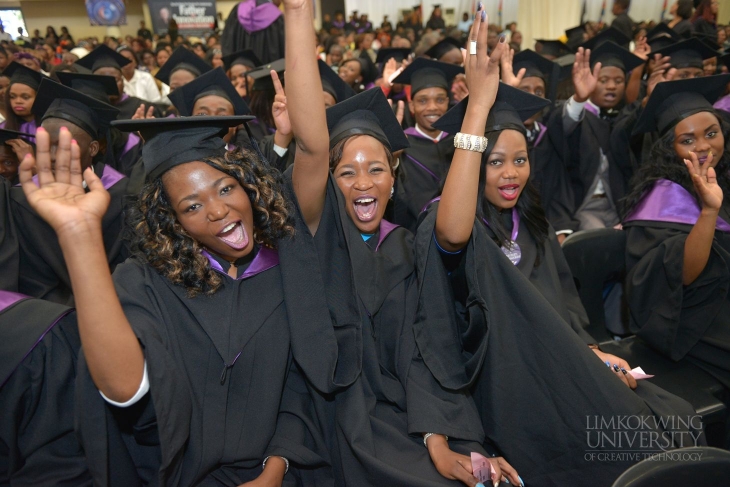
(522, 483)
(608, 364)
(624, 371)
(503, 38)
(484, 15)
(479, 7)
(615, 367)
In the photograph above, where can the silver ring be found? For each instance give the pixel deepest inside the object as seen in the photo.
(472, 47)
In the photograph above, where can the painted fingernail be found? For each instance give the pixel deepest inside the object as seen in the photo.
(479, 7)
(522, 483)
(615, 367)
(624, 371)
(608, 364)
(484, 15)
(503, 38)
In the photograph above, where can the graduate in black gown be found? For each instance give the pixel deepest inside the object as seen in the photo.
(43, 272)
(107, 62)
(181, 68)
(19, 100)
(212, 95)
(374, 429)
(195, 327)
(122, 151)
(12, 150)
(237, 65)
(678, 228)
(535, 382)
(279, 148)
(425, 162)
(40, 347)
(257, 25)
(597, 180)
(447, 50)
(537, 75)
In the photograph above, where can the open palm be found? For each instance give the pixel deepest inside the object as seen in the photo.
(584, 78)
(60, 198)
(705, 181)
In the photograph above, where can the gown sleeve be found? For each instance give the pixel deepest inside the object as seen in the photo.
(9, 258)
(668, 315)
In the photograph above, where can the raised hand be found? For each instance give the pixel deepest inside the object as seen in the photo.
(389, 70)
(458, 88)
(278, 109)
(642, 49)
(141, 114)
(705, 181)
(508, 75)
(399, 111)
(663, 71)
(60, 198)
(584, 79)
(482, 70)
(21, 148)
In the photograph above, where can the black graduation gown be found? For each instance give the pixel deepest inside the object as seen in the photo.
(552, 277)
(39, 343)
(219, 367)
(9, 251)
(682, 322)
(420, 175)
(548, 173)
(625, 145)
(128, 155)
(43, 272)
(281, 163)
(373, 428)
(536, 384)
(268, 43)
(580, 151)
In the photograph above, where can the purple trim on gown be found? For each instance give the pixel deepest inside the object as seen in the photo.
(26, 128)
(385, 228)
(266, 259)
(253, 18)
(723, 103)
(132, 141)
(541, 135)
(9, 298)
(669, 202)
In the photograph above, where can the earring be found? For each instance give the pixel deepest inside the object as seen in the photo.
(392, 192)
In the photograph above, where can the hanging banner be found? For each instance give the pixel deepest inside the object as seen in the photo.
(192, 18)
(106, 12)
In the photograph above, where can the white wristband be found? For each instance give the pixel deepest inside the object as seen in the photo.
(470, 142)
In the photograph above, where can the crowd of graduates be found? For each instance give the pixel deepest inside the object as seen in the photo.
(338, 259)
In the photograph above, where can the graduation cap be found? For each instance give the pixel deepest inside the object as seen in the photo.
(553, 48)
(661, 36)
(333, 84)
(366, 114)
(55, 100)
(426, 73)
(710, 42)
(94, 85)
(182, 59)
(262, 75)
(511, 108)
(442, 47)
(6, 135)
(535, 65)
(609, 35)
(611, 54)
(399, 53)
(574, 36)
(193, 139)
(214, 82)
(245, 58)
(673, 101)
(688, 54)
(103, 57)
(23, 75)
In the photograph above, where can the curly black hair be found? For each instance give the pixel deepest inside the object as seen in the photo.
(528, 207)
(159, 239)
(664, 163)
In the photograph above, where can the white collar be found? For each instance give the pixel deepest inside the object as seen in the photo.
(435, 139)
